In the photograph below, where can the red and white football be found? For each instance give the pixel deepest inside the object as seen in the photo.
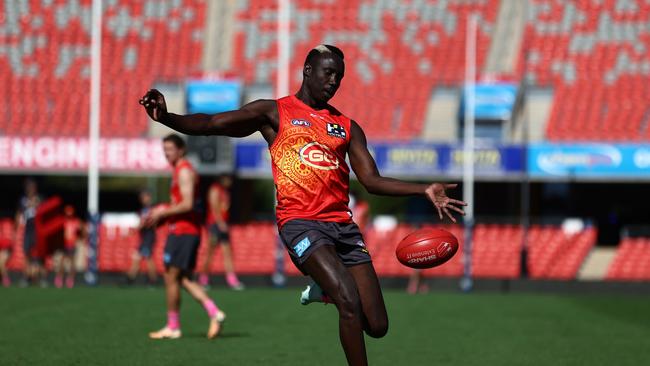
(426, 248)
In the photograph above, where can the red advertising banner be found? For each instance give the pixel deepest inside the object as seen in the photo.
(70, 154)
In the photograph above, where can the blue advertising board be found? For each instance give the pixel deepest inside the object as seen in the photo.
(493, 101)
(406, 159)
(252, 158)
(489, 160)
(410, 159)
(589, 160)
(213, 96)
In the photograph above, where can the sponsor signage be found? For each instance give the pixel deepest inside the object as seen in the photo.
(589, 160)
(62, 154)
(398, 159)
(213, 96)
(493, 101)
(410, 159)
(489, 160)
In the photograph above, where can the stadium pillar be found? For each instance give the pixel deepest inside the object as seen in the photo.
(525, 182)
(278, 277)
(284, 47)
(466, 283)
(93, 141)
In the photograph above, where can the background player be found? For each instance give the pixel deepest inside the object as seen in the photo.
(147, 242)
(182, 242)
(25, 216)
(219, 232)
(71, 227)
(7, 239)
(309, 140)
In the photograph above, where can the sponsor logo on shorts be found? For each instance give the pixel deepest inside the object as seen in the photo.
(300, 122)
(302, 246)
(318, 156)
(336, 130)
(361, 243)
(167, 257)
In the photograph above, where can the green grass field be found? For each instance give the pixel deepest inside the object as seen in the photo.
(108, 326)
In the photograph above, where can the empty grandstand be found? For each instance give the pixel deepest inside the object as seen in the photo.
(574, 74)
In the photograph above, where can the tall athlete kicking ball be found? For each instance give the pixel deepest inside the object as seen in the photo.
(308, 141)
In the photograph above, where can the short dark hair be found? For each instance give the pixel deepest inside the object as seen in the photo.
(322, 49)
(176, 140)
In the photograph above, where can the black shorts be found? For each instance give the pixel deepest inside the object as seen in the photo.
(181, 251)
(302, 237)
(29, 240)
(147, 240)
(220, 235)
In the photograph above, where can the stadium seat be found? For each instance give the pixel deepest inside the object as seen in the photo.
(44, 98)
(496, 251)
(396, 53)
(553, 254)
(594, 54)
(632, 261)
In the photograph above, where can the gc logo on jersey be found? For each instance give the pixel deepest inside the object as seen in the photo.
(318, 156)
(300, 122)
(336, 130)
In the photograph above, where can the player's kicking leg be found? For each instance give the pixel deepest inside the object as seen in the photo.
(327, 269)
(372, 300)
(217, 317)
(172, 329)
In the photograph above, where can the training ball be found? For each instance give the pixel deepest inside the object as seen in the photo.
(426, 248)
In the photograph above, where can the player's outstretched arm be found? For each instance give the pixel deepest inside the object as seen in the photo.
(365, 168)
(238, 123)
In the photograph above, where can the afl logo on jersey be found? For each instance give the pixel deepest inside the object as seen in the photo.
(300, 122)
(318, 156)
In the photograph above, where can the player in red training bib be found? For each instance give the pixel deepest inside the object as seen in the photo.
(7, 238)
(219, 232)
(71, 227)
(309, 141)
(184, 237)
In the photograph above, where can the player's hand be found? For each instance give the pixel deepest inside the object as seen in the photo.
(154, 104)
(152, 219)
(438, 196)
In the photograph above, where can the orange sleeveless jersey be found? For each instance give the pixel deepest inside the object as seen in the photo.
(308, 162)
(224, 196)
(188, 223)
